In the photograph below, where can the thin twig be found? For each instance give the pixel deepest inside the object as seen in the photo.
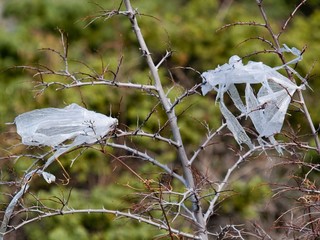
(241, 24)
(225, 181)
(291, 17)
(146, 157)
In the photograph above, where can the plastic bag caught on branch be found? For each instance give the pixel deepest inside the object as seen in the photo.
(266, 109)
(53, 127)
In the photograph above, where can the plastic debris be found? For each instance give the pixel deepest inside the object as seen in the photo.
(235, 127)
(48, 177)
(53, 127)
(266, 109)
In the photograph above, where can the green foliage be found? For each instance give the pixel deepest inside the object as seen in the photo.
(189, 28)
(84, 225)
(247, 197)
(57, 14)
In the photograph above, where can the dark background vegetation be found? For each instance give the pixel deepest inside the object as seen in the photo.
(189, 29)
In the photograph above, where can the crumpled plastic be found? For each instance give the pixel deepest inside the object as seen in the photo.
(266, 109)
(53, 127)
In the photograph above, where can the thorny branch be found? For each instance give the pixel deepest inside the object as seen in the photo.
(276, 48)
(171, 116)
(150, 221)
(291, 17)
(86, 80)
(145, 156)
(276, 42)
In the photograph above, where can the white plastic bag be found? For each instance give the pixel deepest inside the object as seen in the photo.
(54, 126)
(266, 109)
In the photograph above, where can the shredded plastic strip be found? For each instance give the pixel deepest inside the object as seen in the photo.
(235, 127)
(267, 108)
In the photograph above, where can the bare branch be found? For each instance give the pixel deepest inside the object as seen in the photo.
(307, 114)
(168, 54)
(291, 17)
(187, 93)
(146, 157)
(170, 114)
(225, 181)
(141, 133)
(241, 24)
(153, 222)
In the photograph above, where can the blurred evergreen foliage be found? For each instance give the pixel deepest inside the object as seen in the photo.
(189, 28)
(247, 197)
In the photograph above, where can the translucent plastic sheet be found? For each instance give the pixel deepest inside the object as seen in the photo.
(235, 127)
(54, 126)
(266, 109)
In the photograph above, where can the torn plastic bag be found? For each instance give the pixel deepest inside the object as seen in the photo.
(234, 126)
(266, 109)
(53, 127)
